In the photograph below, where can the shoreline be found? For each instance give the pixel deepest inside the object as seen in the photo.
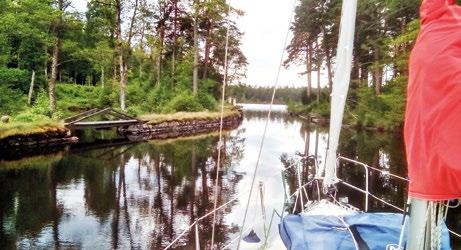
(177, 129)
(163, 126)
(322, 121)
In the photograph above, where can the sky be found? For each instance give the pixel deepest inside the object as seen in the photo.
(264, 24)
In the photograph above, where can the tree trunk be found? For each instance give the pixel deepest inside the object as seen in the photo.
(141, 46)
(55, 57)
(195, 74)
(122, 81)
(329, 72)
(309, 71)
(355, 74)
(175, 42)
(45, 64)
(54, 75)
(378, 77)
(364, 75)
(102, 77)
(159, 56)
(121, 57)
(207, 53)
(319, 68)
(31, 89)
(121, 63)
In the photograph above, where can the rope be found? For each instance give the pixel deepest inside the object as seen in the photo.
(267, 122)
(348, 227)
(220, 144)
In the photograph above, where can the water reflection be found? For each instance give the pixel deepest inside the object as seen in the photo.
(144, 195)
(135, 196)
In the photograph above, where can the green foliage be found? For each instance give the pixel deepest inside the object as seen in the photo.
(384, 37)
(251, 94)
(207, 101)
(15, 78)
(73, 97)
(385, 111)
(11, 101)
(157, 99)
(185, 102)
(135, 110)
(136, 94)
(108, 96)
(370, 107)
(394, 98)
(297, 108)
(320, 108)
(40, 106)
(30, 117)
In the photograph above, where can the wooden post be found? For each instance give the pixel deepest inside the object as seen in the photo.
(31, 89)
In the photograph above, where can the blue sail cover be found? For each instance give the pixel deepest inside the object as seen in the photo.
(320, 232)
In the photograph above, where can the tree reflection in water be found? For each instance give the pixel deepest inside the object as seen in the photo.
(138, 196)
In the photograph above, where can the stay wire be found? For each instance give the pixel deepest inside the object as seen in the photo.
(267, 122)
(221, 125)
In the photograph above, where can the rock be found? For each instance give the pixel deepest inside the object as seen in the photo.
(73, 139)
(5, 119)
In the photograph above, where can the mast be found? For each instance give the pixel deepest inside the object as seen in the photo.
(340, 86)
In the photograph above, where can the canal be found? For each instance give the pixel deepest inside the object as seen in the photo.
(142, 195)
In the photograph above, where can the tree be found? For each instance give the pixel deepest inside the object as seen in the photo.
(306, 29)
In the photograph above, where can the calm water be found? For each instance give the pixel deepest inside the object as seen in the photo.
(110, 193)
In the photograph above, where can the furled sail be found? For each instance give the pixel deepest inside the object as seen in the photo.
(433, 115)
(340, 86)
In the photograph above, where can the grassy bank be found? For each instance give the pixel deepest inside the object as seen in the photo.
(188, 116)
(30, 128)
(47, 125)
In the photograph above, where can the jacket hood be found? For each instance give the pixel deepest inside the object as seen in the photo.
(432, 9)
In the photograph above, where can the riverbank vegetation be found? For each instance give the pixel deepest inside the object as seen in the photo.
(263, 94)
(154, 119)
(385, 33)
(30, 128)
(138, 56)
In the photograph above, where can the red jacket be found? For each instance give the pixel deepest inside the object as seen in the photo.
(433, 114)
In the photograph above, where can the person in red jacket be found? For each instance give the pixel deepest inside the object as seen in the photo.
(433, 114)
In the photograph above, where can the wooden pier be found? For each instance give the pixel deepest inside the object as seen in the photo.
(78, 122)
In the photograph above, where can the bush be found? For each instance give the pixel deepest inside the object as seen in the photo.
(297, 108)
(157, 99)
(134, 110)
(185, 101)
(73, 97)
(321, 108)
(107, 96)
(17, 79)
(207, 101)
(135, 95)
(42, 105)
(30, 117)
(11, 101)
